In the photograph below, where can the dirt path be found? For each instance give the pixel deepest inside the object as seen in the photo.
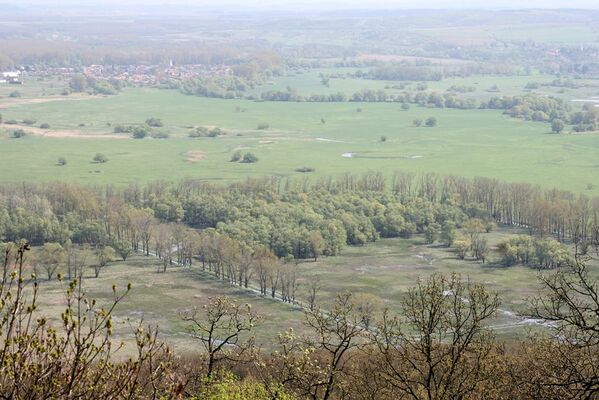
(62, 133)
(195, 156)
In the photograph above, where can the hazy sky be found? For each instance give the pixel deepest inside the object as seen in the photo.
(340, 4)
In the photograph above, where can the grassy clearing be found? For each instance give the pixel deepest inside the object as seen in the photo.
(467, 143)
(159, 299)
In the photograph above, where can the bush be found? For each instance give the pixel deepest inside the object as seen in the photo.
(140, 132)
(383, 139)
(15, 94)
(61, 161)
(122, 129)
(214, 132)
(200, 131)
(160, 135)
(29, 121)
(417, 122)
(154, 122)
(236, 157)
(18, 133)
(11, 122)
(249, 158)
(100, 158)
(405, 106)
(45, 125)
(430, 122)
(263, 126)
(305, 169)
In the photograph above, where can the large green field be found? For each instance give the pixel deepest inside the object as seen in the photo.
(466, 143)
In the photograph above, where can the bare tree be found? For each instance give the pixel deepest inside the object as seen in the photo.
(313, 287)
(570, 303)
(313, 365)
(439, 346)
(224, 328)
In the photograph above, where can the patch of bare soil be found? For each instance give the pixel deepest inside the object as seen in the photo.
(20, 102)
(195, 156)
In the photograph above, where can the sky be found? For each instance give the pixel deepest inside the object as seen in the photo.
(336, 4)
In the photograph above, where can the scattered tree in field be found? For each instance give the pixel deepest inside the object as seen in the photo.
(154, 122)
(557, 126)
(462, 246)
(78, 83)
(100, 158)
(140, 132)
(29, 121)
(431, 122)
(383, 139)
(122, 248)
(405, 106)
(105, 254)
(313, 287)
(222, 326)
(52, 256)
(45, 125)
(448, 233)
(249, 158)
(15, 94)
(236, 157)
(61, 161)
(417, 122)
(19, 133)
(263, 126)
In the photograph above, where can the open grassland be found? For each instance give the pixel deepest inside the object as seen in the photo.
(467, 143)
(379, 273)
(161, 298)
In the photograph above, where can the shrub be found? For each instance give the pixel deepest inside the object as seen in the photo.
(140, 132)
(45, 125)
(122, 129)
(29, 121)
(236, 157)
(430, 122)
(200, 131)
(160, 135)
(14, 94)
(100, 158)
(405, 106)
(214, 132)
(154, 122)
(383, 139)
(249, 158)
(417, 122)
(19, 133)
(305, 169)
(61, 161)
(263, 126)
(11, 122)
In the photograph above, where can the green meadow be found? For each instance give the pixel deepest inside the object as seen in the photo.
(316, 135)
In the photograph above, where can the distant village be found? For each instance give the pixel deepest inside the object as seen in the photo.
(134, 74)
(12, 77)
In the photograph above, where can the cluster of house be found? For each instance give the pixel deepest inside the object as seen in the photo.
(12, 77)
(153, 74)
